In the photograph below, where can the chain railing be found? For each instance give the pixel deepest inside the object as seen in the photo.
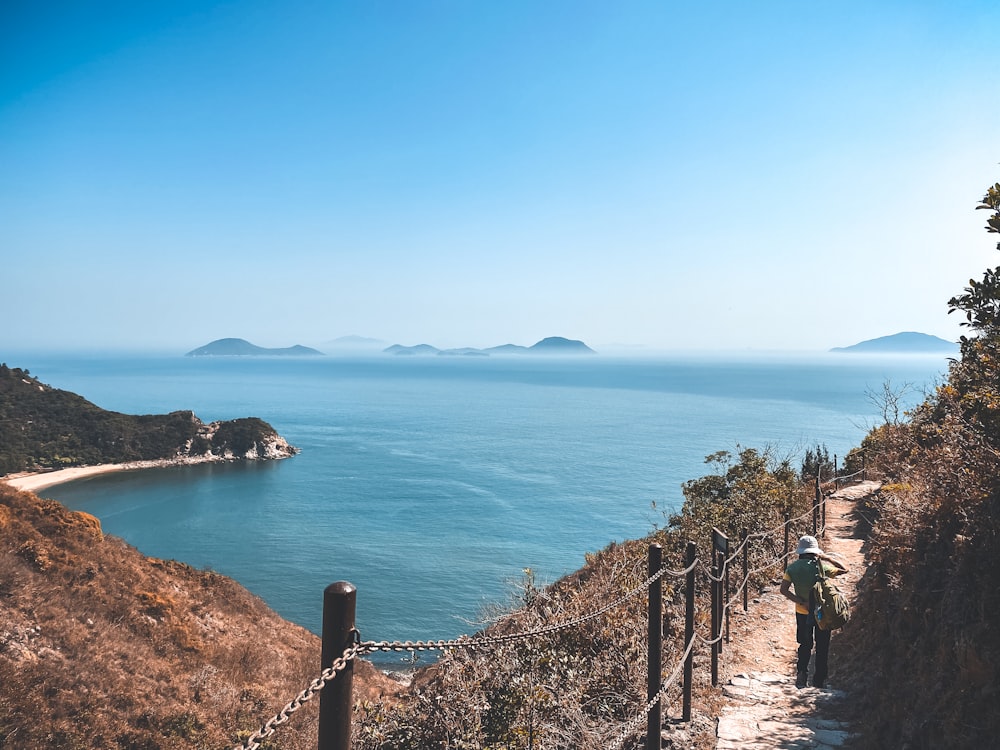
(271, 726)
(717, 574)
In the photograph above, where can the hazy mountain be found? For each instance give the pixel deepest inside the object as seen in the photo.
(551, 345)
(559, 345)
(400, 350)
(507, 349)
(353, 344)
(466, 351)
(243, 348)
(908, 342)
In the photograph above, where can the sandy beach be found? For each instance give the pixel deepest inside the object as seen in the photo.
(33, 482)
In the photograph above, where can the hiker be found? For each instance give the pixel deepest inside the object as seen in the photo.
(800, 576)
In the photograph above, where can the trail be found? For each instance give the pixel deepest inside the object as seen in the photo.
(763, 708)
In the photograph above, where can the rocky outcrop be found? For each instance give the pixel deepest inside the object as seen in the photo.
(246, 439)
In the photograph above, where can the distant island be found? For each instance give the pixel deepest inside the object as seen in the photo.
(243, 348)
(551, 345)
(908, 342)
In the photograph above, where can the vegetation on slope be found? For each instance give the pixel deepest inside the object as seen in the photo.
(580, 686)
(926, 647)
(102, 647)
(923, 645)
(46, 428)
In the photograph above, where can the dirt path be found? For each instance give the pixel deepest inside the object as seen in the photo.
(763, 707)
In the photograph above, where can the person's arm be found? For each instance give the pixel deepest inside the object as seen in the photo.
(786, 591)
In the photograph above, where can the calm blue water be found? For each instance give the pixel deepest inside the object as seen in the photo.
(431, 483)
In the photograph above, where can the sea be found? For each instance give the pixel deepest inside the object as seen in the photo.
(433, 484)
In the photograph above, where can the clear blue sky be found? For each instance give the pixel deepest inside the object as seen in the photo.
(779, 175)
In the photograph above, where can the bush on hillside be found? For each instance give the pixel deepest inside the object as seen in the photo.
(926, 649)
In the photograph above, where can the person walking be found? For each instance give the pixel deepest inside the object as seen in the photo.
(796, 586)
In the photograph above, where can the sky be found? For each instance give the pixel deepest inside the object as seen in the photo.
(659, 175)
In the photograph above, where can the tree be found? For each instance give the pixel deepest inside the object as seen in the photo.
(981, 301)
(889, 401)
(816, 463)
(750, 494)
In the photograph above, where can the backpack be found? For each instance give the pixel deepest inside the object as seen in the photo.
(832, 608)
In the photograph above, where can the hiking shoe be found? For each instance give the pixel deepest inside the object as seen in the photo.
(801, 679)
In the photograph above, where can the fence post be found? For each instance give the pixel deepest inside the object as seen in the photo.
(692, 552)
(746, 568)
(720, 547)
(335, 705)
(727, 593)
(864, 466)
(823, 513)
(816, 509)
(714, 588)
(654, 719)
(836, 474)
(788, 520)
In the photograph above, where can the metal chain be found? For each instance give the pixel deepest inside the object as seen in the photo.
(358, 648)
(269, 728)
(473, 643)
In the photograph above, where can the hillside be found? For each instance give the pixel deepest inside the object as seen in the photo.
(47, 428)
(926, 653)
(102, 647)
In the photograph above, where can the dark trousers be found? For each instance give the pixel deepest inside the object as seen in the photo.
(806, 633)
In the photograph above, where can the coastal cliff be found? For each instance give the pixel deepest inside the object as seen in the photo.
(44, 428)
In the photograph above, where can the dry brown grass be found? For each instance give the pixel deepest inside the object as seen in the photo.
(102, 647)
(925, 647)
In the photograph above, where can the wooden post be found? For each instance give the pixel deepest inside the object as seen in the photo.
(720, 548)
(836, 474)
(823, 513)
(746, 569)
(816, 509)
(692, 552)
(716, 630)
(727, 593)
(788, 518)
(654, 719)
(335, 704)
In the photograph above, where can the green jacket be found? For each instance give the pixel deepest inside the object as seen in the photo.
(803, 573)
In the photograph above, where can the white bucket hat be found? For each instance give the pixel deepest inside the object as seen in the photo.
(808, 545)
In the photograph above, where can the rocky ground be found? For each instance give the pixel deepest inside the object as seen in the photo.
(763, 707)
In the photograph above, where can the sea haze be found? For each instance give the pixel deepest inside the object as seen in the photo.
(432, 483)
